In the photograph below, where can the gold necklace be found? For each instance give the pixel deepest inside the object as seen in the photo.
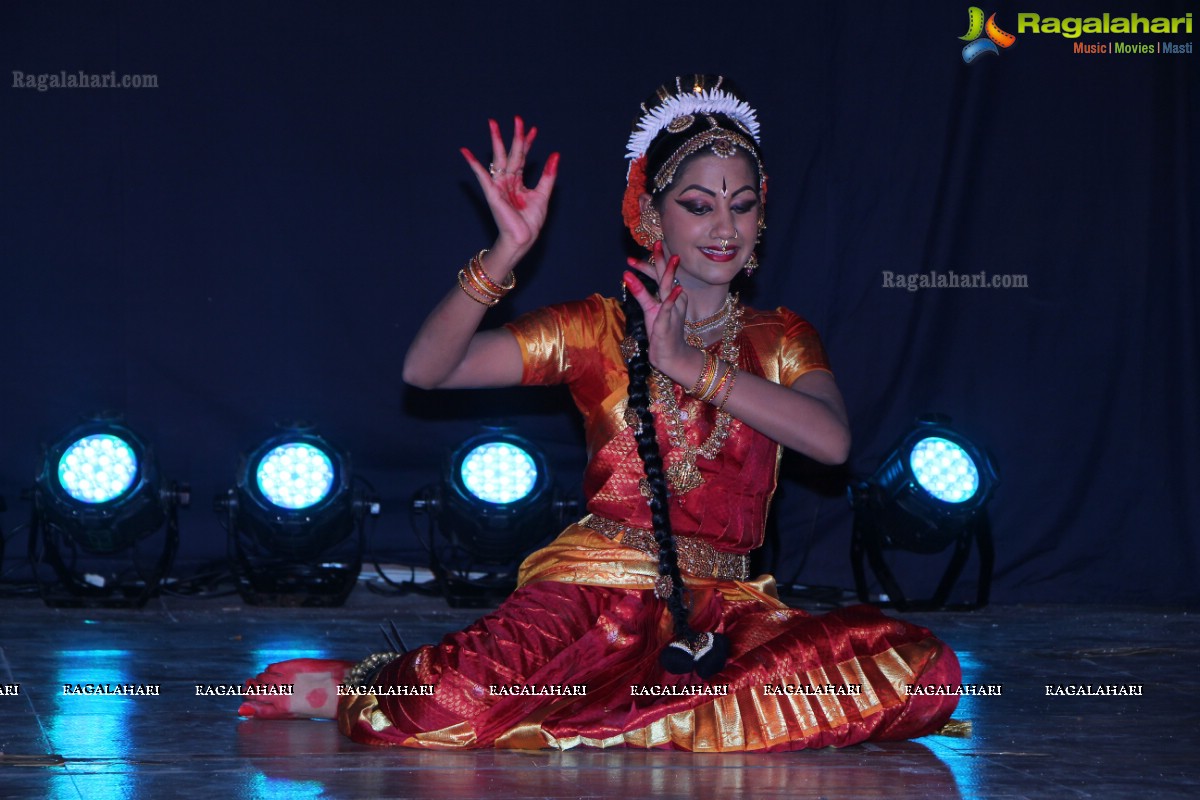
(711, 321)
(683, 475)
(697, 327)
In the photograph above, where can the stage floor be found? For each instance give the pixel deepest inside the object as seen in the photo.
(1027, 742)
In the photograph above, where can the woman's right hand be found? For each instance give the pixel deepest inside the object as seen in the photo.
(519, 211)
(449, 351)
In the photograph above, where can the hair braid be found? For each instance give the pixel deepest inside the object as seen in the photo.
(651, 455)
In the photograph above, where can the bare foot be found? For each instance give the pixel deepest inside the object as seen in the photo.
(314, 695)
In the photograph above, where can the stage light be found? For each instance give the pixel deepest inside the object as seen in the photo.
(97, 469)
(295, 475)
(295, 522)
(495, 502)
(497, 493)
(98, 494)
(499, 472)
(944, 469)
(930, 492)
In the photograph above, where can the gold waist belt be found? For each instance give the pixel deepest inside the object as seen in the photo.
(696, 557)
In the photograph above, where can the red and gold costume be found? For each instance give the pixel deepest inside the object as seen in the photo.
(585, 613)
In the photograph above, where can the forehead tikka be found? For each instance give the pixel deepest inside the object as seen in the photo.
(723, 143)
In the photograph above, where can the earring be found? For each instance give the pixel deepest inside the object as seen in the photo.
(648, 231)
(751, 264)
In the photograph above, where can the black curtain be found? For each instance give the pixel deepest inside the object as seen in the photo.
(256, 239)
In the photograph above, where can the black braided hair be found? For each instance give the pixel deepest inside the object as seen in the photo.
(679, 656)
(651, 455)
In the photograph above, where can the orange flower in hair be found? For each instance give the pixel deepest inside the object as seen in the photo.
(635, 187)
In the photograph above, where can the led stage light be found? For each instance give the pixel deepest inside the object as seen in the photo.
(96, 497)
(295, 522)
(930, 492)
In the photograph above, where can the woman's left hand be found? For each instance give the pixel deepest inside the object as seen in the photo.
(669, 352)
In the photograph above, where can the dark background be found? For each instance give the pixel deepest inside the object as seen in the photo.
(257, 239)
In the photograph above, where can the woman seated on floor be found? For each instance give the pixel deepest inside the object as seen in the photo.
(687, 398)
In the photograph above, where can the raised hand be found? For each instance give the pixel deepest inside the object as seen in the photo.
(519, 211)
(669, 353)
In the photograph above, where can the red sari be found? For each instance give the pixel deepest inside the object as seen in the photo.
(585, 615)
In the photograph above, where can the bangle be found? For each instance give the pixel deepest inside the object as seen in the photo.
(732, 375)
(480, 274)
(474, 294)
(707, 373)
(714, 385)
(478, 286)
(716, 390)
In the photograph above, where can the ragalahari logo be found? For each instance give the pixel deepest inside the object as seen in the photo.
(976, 27)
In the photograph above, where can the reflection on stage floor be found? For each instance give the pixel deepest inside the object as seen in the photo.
(1034, 739)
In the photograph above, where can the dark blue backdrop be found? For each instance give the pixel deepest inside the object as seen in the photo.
(257, 239)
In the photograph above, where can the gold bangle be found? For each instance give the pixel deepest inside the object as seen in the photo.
(479, 287)
(706, 374)
(476, 266)
(717, 389)
(710, 391)
(462, 284)
(729, 388)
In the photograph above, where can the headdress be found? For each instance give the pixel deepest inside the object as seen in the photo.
(672, 108)
(674, 112)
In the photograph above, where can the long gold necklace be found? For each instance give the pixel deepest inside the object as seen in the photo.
(682, 474)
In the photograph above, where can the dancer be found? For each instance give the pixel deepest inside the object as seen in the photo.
(640, 624)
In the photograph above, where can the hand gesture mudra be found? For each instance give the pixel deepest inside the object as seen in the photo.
(666, 312)
(519, 212)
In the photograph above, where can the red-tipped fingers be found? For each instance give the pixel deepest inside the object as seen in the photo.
(642, 267)
(671, 314)
(669, 302)
(499, 157)
(245, 710)
(545, 183)
(529, 137)
(475, 167)
(669, 270)
(638, 290)
(516, 153)
(632, 283)
(659, 262)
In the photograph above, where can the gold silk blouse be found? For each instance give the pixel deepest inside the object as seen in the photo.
(578, 344)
